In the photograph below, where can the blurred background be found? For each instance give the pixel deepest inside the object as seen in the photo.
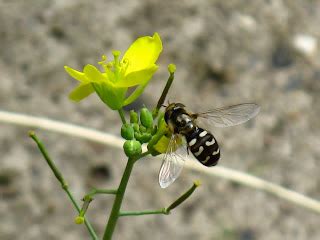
(226, 52)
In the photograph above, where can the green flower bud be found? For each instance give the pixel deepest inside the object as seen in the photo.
(134, 118)
(154, 130)
(132, 148)
(79, 220)
(143, 137)
(162, 123)
(160, 118)
(138, 136)
(142, 128)
(146, 137)
(172, 68)
(146, 118)
(127, 131)
(136, 127)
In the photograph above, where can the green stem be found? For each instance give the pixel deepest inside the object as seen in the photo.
(101, 191)
(87, 199)
(114, 215)
(60, 178)
(142, 155)
(183, 197)
(154, 140)
(121, 113)
(163, 95)
(165, 211)
(139, 213)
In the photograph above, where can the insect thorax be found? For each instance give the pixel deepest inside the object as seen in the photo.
(178, 120)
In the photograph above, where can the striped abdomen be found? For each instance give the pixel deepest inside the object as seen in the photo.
(203, 146)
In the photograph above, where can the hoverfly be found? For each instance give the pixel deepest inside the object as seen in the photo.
(200, 142)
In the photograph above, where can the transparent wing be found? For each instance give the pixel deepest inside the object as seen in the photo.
(173, 162)
(231, 115)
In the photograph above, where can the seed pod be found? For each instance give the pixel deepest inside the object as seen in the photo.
(127, 131)
(146, 118)
(134, 118)
(132, 148)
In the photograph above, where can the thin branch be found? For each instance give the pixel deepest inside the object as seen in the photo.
(96, 191)
(123, 118)
(111, 140)
(87, 199)
(140, 213)
(60, 178)
(165, 211)
(183, 197)
(164, 94)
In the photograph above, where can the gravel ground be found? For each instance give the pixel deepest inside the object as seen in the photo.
(226, 52)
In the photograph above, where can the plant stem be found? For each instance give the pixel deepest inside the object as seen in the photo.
(121, 113)
(139, 213)
(101, 191)
(114, 215)
(163, 95)
(60, 178)
(183, 197)
(144, 154)
(165, 211)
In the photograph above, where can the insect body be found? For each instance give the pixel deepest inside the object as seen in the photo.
(204, 147)
(200, 142)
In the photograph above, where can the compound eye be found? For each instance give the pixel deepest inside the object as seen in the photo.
(166, 117)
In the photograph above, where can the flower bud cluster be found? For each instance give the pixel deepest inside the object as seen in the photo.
(139, 131)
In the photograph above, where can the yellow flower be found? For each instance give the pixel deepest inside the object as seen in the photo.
(135, 69)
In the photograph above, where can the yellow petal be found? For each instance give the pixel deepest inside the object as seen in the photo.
(137, 78)
(143, 53)
(80, 76)
(81, 91)
(93, 74)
